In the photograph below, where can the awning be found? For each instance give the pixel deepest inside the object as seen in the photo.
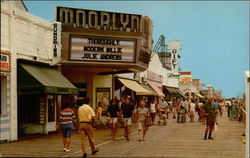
(175, 90)
(198, 95)
(43, 79)
(180, 92)
(134, 86)
(147, 87)
(156, 89)
(171, 90)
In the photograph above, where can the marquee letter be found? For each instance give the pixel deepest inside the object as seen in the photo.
(103, 21)
(135, 19)
(66, 16)
(124, 23)
(78, 13)
(93, 14)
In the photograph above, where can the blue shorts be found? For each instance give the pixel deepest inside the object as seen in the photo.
(67, 129)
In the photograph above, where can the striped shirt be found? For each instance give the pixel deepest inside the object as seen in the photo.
(67, 116)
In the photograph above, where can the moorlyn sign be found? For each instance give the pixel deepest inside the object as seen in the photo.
(101, 20)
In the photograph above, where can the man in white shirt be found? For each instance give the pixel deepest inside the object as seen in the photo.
(229, 106)
(184, 108)
(86, 116)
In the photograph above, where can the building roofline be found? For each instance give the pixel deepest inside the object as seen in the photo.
(24, 6)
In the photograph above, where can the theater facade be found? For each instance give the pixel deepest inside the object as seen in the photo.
(98, 44)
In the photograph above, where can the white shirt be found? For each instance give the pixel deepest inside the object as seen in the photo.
(228, 102)
(152, 108)
(200, 104)
(192, 107)
(141, 113)
(184, 104)
(164, 105)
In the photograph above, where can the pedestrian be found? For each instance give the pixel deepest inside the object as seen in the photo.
(127, 112)
(222, 105)
(86, 117)
(210, 118)
(229, 107)
(169, 107)
(153, 109)
(141, 113)
(179, 110)
(217, 110)
(67, 118)
(192, 110)
(163, 106)
(174, 109)
(202, 112)
(113, 112)
(183, 109)
(99, 113)
(199, 105)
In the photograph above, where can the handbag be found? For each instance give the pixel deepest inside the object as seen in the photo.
(148, 121)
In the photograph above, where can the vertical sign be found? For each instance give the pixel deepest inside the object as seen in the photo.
(174, 46)
(57, 29)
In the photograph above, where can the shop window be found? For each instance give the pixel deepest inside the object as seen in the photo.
(29, 108)
(3, 95)
(51, 108)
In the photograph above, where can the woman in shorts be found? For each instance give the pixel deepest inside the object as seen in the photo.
(142, 112)
(67, 118)
(113, 112)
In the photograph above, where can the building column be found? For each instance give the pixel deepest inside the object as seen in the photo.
(13, 78)
(90, 87)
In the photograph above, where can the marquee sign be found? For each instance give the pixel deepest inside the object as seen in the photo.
(101, 20)
(105, 39)
(102, 49)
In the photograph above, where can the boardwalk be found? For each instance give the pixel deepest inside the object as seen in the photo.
(173, 140)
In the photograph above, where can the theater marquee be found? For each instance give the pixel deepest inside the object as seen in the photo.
(102, 49)
(105, 40)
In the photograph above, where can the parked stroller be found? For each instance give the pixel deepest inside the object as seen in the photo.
(162, 117)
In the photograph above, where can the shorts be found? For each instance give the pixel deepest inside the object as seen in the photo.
(127, 121)
(142, 126)
(67, 129)
(113, 119)
(210, 121)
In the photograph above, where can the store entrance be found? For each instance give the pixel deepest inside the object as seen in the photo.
(51, 99)
(28, 114)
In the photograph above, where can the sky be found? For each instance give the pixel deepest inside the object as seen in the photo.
(214, 34)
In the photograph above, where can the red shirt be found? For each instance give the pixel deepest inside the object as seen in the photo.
(67, 116)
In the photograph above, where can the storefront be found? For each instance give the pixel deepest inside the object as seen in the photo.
(135, 88)
(5, 96)
(173, 92)
(97, 44)
(41, 89)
